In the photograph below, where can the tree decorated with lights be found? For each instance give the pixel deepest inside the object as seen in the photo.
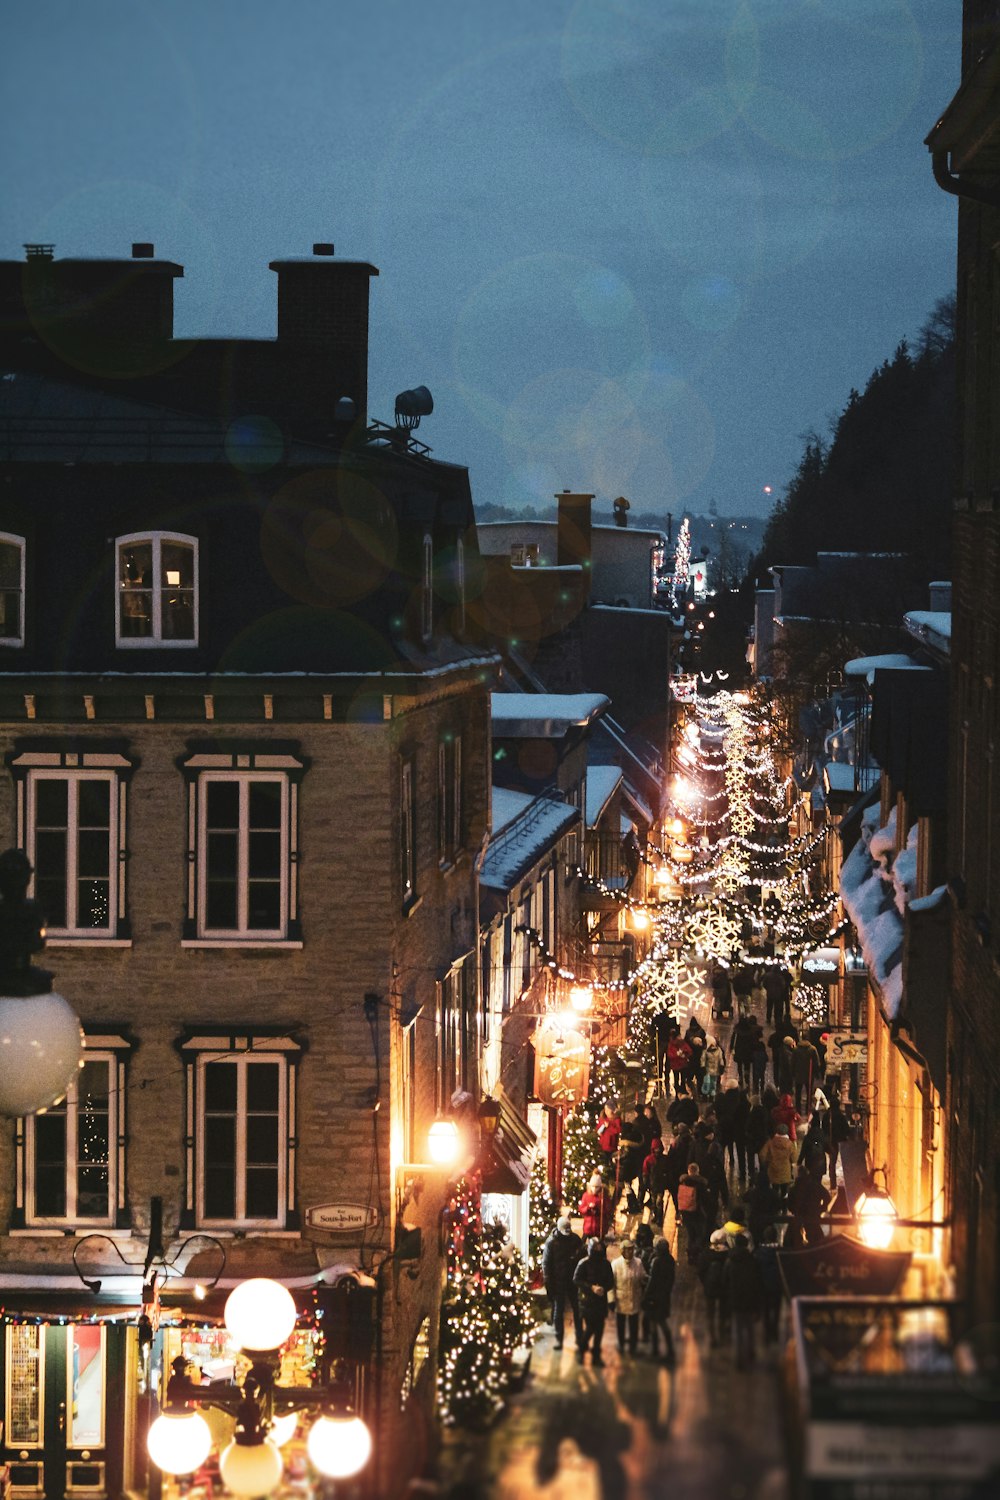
(682, 564)
(582, 1154)
(543, 1211)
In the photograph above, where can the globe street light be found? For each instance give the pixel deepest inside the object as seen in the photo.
(339, 1443)
(41, 1040)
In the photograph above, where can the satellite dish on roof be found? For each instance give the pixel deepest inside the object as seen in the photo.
(412, 405)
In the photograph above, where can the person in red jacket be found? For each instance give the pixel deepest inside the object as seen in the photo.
(609, 1128)
(595, 1206)
(679, 1062)
(785, 1113)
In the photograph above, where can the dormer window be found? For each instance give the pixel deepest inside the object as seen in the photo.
(11, 590)
(157, 590)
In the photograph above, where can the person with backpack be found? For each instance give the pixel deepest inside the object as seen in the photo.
(595, 1283)
(676, 1160)
(656, 1300)
(692, 1205)
(561, 1254)
(772, 1286)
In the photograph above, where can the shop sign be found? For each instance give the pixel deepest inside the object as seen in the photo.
(842, 1267)
(562, 1067)
(341, 1218)
(953, 1453)
(846, 1047)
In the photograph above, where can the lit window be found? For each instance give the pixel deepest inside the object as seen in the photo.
(11, 590)
(157, 590)
(242, 855)
(449, 798)
(241, 1163)
(72, 1157)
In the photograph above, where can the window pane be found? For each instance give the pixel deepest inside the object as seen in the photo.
(222, 804)
(264, 856)
(10, 566)
(220, 1193)
(262, 1193)
(93, 904)
(176, 592)
(92, 1193)
(265, 804)
(220, 1166)
(50, 1164)
(50, 876)
(10, 614)
(135, 587)
(220, 1086)
(177, 565)
(263, 1086)
(94, 803)
(264, 906)
(92, 853)
(262, 1140)
(51, 803)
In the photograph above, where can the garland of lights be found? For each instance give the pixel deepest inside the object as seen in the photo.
(682, 564)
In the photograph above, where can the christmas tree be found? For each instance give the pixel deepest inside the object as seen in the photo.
(543, 1211)
(582, 1154)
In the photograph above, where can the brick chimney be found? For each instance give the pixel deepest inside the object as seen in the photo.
(573, 534)
(111, 301)
(323, 321)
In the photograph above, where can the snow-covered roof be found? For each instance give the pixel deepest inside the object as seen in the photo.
(875, 899)
(602, 783)
(641, 808)
(933, 626)
(888, 661)
(525, 829)
(544, 715)
(626, 823)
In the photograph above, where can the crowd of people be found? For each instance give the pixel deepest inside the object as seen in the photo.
(748, 1163)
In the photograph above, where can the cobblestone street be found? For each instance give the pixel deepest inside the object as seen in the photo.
(635, 1429)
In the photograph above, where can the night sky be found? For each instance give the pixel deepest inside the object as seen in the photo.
(634, 246)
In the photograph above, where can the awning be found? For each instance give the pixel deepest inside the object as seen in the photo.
(508, 1157)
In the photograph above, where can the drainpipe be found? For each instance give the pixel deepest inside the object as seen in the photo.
(961, 187)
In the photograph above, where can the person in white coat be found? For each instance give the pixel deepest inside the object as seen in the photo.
(630, 1279)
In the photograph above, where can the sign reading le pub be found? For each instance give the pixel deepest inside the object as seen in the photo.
(342, 1218)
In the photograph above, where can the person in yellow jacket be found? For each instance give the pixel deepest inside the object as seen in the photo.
(778, 1157)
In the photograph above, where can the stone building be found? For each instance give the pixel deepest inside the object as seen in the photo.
(245, 728)
(965, 148)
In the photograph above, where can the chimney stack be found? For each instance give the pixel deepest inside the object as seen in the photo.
(573, 534)
(323, 321)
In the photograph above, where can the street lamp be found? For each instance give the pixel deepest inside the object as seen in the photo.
(876, 1213)
(339, 1443)
(41, 1040)
(443, 1143)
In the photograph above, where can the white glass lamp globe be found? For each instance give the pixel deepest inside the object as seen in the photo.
(282, 1429)
(876, 1219)
(179, 1444)
(580, 997)
(250, 1469)
(260, 1313)
(41, 1044)
(442, 1142)
(339, 1446)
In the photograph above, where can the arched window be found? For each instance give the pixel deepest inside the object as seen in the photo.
(426, 591)
(11, 589)
(157, 590)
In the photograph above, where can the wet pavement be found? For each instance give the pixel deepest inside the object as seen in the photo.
(635, 1429)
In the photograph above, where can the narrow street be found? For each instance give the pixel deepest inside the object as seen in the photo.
(636, 1430)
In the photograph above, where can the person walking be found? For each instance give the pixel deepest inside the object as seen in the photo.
(676, 1160)
(778, 1159)
(653, 1180)
(656, 1300)
(777, 991)
(561, 1255)
(679, 1062)
(711, 1268)
(596, 1208)
(805, 1067)
(713, 1066)
(733, 1111)
(722, 993)
(744, 1042)
(808, 1200)
(785, 1113)
(746, 1298)
(838, 1130)
(772, 1287)
(758, 1063)
(707, 1153)
(630, 1279)
(692, 1205)
(758, 1128)
(595, 1283)
(609, 1128)
(630, 1157)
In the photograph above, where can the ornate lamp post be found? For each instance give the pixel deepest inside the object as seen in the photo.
(260, 1315)
(41, 1040)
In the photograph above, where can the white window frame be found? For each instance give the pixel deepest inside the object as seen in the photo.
(245, 779)
(113, 1050)
(11, 540)
(74, 776)
(242, 1062)
(155, 640)
(199, 1049)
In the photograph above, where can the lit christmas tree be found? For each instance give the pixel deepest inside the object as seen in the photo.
(682, 564)
(543, 1211)
(582, 1154)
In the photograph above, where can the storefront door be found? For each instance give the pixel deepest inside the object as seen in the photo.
(55, 1419)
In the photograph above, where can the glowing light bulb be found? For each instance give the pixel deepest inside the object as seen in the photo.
(260, 1313)
(179, 1444)
(442, 1142)
(251, 1469)
(339, 1446)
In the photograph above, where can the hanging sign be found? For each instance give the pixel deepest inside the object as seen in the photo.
(842, 1267)
(341, 1218)
(846, 1047)
(562, 1067)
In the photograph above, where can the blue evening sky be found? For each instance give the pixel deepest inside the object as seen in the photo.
(633, 246)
